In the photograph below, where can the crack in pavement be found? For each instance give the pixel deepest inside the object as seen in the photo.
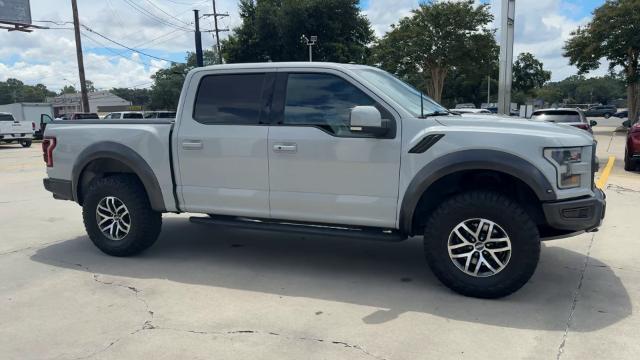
(621, 189)
(149, 326)
(33, 247)
(574, 303)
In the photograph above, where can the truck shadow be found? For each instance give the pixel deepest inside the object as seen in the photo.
(392, 277)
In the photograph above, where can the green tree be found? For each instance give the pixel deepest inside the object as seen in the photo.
(90, 86)
(68, 89)
(14, 90)
(271, 30)
(613, 34)
(529, 73)
(138, 97)
(436, 39)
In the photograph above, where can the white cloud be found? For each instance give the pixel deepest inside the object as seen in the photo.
(48, 56)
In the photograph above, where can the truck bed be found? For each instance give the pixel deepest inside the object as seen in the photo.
(150, 139)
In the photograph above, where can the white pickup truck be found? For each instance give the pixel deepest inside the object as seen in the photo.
(12, 130)
(334, 149)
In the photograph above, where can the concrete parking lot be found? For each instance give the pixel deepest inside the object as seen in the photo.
(211, 292)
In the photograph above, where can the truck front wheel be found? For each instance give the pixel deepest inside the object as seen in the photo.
(118, 216)
(482, 244)
(25, 143)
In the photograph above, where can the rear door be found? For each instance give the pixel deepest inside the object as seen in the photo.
(222, 143)
(319, 170)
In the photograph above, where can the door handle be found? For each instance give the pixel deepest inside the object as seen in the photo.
(285, 147)
(192, 144)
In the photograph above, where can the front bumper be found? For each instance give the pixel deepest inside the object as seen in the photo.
(61, 189)
(584, 213)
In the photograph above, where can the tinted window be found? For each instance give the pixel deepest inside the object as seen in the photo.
(86, 116)
(132, 116)
(6, 117)
(229, 99)
(557, 116)
(322, 100)
(166, 115)
(150, 115)
(115, 116)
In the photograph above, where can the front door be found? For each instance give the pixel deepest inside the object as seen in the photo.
(222, 144)
(319, 170)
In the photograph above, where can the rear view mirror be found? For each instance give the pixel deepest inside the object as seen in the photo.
(366, 119)
(593, 123)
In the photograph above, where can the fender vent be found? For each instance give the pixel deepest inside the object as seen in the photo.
(426, 142)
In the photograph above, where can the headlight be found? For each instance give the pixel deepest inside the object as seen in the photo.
(570, 165)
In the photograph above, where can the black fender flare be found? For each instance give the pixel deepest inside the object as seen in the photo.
(125, 155)
(471, 160)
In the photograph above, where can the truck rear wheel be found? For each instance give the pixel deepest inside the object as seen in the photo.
(118, 216)
(25, 143)
(482, 244)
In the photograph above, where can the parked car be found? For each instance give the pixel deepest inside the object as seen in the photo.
(574, 117)
(30, 112)
(601, 111)
(12, 130)
(632, 148)
(471, 111)
(622, 114)
(334, 149)
(80, 116)
(159, 114)
(124, 115)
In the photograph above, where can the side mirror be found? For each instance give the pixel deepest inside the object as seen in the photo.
(593, 123)
(366, 119)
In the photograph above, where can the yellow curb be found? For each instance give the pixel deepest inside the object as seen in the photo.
(602, 180)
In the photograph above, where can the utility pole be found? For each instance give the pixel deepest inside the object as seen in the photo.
(199, 60)
(506, 56)
(215, 24)
(488, 90)
(76, 29)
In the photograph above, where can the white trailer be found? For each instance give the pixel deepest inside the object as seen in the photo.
(30, 112)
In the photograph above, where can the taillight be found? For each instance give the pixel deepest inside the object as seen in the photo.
(582, 126)
(48, 144)
(33, 126)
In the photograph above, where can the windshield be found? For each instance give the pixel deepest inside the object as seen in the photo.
(6, 117)
(557, 116)
(402, 93)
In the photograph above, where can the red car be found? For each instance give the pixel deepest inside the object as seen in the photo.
(632, 151)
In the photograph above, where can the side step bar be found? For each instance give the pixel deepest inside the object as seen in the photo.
(378, 234)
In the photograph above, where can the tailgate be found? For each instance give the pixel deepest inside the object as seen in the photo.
(12, 127)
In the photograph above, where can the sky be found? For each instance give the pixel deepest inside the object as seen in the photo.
(163, 29)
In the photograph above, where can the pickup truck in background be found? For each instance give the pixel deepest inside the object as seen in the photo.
(12, 130)
(30, 112)
(334, 149)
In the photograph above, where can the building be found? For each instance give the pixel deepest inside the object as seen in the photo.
(99, 102)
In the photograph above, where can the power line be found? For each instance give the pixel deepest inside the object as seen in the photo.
(153, 16)
(127, 47)
(112, 51)
(166, 13)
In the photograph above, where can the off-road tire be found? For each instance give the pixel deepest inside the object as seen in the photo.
(145, 222)
(493, 206)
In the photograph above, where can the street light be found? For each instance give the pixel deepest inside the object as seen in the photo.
(309, 42)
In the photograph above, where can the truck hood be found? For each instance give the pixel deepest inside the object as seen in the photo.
(554, 133)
